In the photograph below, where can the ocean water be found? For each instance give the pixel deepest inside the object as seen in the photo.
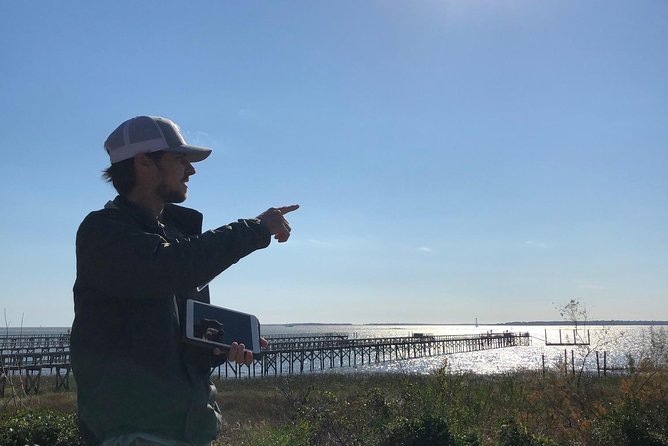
(618, 341)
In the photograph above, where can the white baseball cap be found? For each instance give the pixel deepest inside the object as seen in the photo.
(144, 134)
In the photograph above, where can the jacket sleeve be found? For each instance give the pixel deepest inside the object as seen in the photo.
(118, 257)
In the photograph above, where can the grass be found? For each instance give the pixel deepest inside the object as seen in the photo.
(523, 408)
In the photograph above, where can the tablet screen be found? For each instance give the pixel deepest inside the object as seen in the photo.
(214, 326)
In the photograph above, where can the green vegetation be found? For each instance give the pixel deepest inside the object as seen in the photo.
(525, 408)
(38, 427)
(449, 409)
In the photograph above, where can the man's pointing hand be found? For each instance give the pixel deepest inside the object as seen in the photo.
(273, 219)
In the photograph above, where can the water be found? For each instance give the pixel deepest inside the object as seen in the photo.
(618, 341)
(33, 331)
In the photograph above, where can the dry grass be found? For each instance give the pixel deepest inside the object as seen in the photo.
(48, 398)
(360, 409)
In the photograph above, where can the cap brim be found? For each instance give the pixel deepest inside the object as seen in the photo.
(193, 153)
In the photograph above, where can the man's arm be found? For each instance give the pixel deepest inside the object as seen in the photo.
(119, 258)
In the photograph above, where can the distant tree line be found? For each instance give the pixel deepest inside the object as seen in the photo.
(595, 322)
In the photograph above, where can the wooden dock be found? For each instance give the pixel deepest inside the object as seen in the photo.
(296, 355)
(31, 357)
(578, 338)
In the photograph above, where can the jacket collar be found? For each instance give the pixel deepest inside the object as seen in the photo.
(189, 221)
(141, 215)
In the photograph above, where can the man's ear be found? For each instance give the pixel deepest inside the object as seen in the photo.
(145, 168)
(143, 162)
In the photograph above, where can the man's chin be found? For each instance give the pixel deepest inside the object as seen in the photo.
(175, 198)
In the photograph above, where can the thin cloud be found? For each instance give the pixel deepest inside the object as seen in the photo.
(199, 138)
(320, 242)
(425, 249)
(535, 244)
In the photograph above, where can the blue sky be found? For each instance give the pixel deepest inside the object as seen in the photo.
(453, 159)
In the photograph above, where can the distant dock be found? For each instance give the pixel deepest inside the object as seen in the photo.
(32, 356)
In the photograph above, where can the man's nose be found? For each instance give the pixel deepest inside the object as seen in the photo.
(190, 170)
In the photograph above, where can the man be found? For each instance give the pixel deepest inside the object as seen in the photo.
(138, 260)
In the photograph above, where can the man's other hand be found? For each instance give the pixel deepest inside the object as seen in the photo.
(238, 354)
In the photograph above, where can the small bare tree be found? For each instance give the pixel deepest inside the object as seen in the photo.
(18, 396)
(575, 312)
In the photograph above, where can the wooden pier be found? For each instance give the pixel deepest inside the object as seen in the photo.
(31, 357)
(286, 356)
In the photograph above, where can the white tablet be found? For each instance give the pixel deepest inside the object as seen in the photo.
(211, 326)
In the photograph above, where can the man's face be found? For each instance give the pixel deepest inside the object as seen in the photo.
(174, 170)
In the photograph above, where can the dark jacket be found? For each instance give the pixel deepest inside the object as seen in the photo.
(133, 371)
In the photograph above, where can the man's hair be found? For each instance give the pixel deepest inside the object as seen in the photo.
(122, 174)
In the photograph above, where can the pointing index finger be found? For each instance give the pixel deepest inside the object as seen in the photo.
(285, 209)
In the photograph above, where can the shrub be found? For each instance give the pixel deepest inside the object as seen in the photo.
(513, 433)
(427, 430)
(632, 424)
(39, 427)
